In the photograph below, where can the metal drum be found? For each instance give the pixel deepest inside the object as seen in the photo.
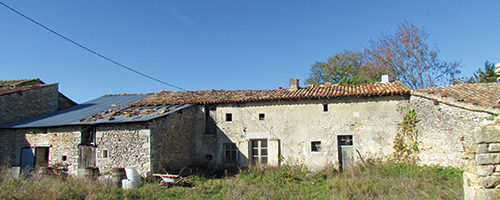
(117, 175)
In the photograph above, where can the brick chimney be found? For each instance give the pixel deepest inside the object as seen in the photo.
(385, 78)
(294, 84)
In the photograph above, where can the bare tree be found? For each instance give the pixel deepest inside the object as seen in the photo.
(407, 58)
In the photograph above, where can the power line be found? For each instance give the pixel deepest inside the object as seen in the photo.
(90, 50)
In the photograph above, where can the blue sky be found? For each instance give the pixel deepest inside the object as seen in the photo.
(221, 44)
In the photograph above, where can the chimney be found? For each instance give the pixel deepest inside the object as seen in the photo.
(385, 78)
(294, 84)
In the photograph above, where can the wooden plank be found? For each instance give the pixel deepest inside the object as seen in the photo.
(347, 157)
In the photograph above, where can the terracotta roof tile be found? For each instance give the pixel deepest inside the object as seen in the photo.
(240, 96)
(7, 90)
(475, 96)
(13, 83)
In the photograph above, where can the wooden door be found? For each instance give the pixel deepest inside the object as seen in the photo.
(346, 152)
(87, 156)
(27, 159)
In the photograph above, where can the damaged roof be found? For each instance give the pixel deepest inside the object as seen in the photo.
(11, 86)
(473, 96)
(240, 96)
(14, 83)
(105, 109)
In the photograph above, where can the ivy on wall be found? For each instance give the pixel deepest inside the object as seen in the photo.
(405, 143)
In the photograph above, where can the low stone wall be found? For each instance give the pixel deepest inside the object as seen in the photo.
(482, 175)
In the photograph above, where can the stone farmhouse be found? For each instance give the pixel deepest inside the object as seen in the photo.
(27, 98)
(214, 129)
(313, 126)
(449, 117)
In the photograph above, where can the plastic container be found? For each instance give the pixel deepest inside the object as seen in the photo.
(133, 179)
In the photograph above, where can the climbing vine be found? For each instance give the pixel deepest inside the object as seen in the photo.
(405, 143)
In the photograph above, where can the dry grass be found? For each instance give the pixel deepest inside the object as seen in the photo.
(376, 180)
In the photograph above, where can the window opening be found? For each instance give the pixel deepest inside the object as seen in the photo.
(229, 117)
(210, 125)
(325, 107)
(262, 116)
(259, 151)
(345, 140)
(64, 158)
(230, 152)
(315, 146)
(88, 136)
(105, 153)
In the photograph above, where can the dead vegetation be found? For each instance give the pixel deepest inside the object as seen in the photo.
(373, 180)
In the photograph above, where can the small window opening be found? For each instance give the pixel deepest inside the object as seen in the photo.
(88, 136)
(230, 152)
(325, 107)
(315, 146)
(105, 153)
(64, 158)
(262, 116)
(229, 117)
(208, 158)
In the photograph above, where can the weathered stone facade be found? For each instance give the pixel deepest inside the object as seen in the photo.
(61, 141)
(25, 104)
(482, 174)
(444, 131)
(163, 143)
(291, 127)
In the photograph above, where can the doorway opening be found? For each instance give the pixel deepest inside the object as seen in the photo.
(346, 151)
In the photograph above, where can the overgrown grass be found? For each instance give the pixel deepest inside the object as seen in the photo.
(374, 180)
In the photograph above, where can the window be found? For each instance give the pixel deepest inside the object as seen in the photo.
(262, 116)
(315, 146)
(259, 151)
(210, 113)
(345, 139)
(325, 107)
(230, 152)
(229, 117)
(105, 153)
(64, 158)
(88, 136)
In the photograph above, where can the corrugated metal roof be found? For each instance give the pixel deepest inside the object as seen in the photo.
(73, 115)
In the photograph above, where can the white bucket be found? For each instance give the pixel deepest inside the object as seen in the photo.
(126, 184)
(15, 172)
(133, 179)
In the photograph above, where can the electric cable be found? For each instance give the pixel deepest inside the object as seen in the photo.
(90, 50)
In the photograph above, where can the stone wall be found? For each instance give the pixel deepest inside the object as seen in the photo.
(292, 126)
(164, 143)
(62, 141)
(444, 131)
(64, 102)
(482, 174)
(28, 103)
(123, 145)
(173, 145)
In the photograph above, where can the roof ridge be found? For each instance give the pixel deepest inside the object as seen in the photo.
(241, 96)
(125, 94)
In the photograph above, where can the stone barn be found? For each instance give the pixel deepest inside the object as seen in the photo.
(315, 126)
(104, 133)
